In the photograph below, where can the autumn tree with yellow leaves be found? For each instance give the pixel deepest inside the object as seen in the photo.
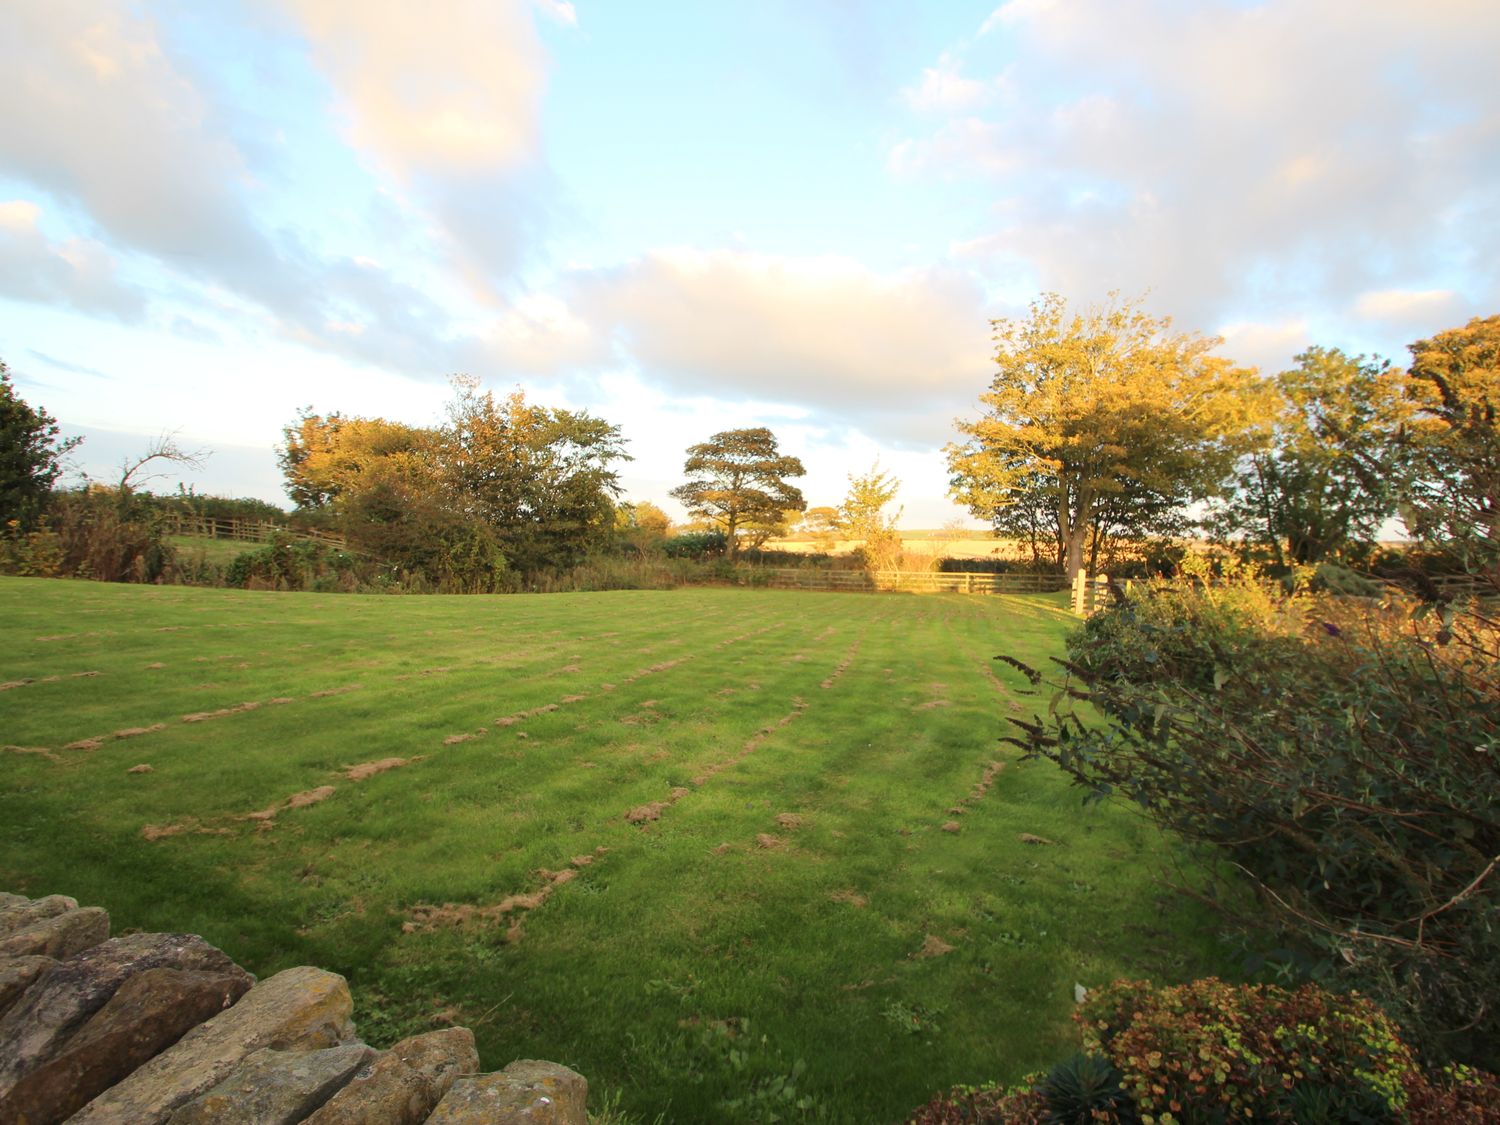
(1104, 410)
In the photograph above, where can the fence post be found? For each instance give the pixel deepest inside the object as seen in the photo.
(1101, 593)
(1080, 593)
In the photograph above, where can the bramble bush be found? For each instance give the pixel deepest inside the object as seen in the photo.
(1344, 755)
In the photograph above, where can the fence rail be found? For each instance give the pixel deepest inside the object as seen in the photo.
(248, 531)
(930, 582)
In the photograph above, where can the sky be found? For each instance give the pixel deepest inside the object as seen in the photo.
(687, 217)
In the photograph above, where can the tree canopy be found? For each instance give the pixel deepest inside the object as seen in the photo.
(1452, 491)
(1107, 411)
(737, 482)
(502, 484)
(31, 454)
(1327, 482)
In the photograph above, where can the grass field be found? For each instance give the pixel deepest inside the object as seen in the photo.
(220, 552)
(734, 855)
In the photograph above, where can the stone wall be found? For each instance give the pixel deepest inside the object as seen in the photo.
(164, 1028)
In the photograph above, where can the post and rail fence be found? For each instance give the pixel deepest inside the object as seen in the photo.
(926, 582)
(247, 531)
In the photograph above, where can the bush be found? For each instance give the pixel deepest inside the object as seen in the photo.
(1251, 1052)
(698, 545)
(1343, 756)
(1208, 1051)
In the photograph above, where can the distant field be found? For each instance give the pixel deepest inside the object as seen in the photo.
(729, 853)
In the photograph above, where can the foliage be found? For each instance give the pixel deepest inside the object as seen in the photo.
(541, 478)
(862, 516)
(189, 502)
(502, 486)
(1340, 755)
(737, 480)
(696, 545)
(31, 456)
(90, 533)
(823, 524)
(641, 526)
(1086, 1088)
(981, 1105)
(1452, 494)
(293, 564)
(1106, 407)
(1209, 1050)
(1327, 482)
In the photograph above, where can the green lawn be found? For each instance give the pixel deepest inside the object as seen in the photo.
(221, 552)
(795, 933)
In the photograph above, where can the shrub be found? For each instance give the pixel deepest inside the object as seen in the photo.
(1343, 756)
(1086, 1089)
(696, 545)
(1208, 1051)
(1249, 1052)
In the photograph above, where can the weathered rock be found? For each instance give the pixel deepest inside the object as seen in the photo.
(146, 1015)
(64, 996)
(61, 935)
(527, 1091)
(297, 1009)
(402, 1086)
(17, 912)
(275, 1087)
(16, 975)
(7, 900)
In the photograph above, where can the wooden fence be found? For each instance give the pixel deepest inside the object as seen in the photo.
(925, 582)
(248, 531)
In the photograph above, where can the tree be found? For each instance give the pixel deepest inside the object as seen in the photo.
(1108, 404)
(642, 525)
(1326, 483)
(863, 517)
(503, 483)
(736, 482)
(30, 456)
(541, 477)
(822, 525)
(1451, 492)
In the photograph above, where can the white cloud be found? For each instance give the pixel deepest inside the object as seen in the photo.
(1407, 306)
(1282, 155)
(560, 10)
(944, 87)
(97, 114)
(897, 351)
(1270, 347)
(75, 272)
(452, 89)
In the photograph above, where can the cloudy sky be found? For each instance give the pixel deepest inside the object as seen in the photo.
(688, 215)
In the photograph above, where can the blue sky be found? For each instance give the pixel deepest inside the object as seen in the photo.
(687, 217)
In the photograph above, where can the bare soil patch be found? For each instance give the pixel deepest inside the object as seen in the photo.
(345, 690)
(370, 769)
(933, 946)
(852, 897)
(136, 732)
(42, 750)
(205, 716)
